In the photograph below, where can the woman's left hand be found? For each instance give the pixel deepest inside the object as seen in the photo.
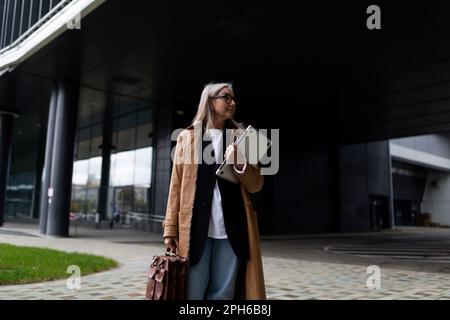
(235, 156)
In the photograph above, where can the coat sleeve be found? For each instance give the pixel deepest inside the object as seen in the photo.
(170, 223)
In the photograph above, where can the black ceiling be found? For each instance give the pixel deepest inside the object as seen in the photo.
(312, 68)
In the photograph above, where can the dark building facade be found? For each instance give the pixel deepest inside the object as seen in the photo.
(91, 91)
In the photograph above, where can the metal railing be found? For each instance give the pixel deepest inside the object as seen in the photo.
(20, 18)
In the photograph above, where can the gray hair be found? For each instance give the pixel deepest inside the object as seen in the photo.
(204, 112)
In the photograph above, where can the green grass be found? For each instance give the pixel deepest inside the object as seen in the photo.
(20, 265)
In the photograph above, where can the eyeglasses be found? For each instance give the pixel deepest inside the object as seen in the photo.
(226, 97)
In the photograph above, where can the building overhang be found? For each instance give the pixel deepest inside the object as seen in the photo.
(57, 21)
(420, 158)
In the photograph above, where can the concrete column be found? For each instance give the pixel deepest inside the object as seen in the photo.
(36, 201)
(391, 190)
(62, 159)
(106, 161)
(162, 164)
(6, 131)
(46, 172)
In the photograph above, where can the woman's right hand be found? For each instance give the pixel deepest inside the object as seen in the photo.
(171, 243)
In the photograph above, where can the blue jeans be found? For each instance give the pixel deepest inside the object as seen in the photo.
(214, 276)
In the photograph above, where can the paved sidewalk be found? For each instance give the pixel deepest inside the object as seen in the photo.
(285, 278)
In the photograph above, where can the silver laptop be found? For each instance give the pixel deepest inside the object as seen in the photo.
(253, 144)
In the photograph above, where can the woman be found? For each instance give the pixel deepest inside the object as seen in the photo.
(208, 219)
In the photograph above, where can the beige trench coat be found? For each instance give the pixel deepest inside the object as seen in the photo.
(181, 201)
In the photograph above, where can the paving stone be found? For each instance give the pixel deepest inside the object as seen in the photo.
(287, 279)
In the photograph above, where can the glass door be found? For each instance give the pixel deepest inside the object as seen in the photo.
(122, 203)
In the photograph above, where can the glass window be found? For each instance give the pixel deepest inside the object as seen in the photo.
(143, 135)
(80, 172)
(95, 146)
(26, 13)
(95, 172)
(125, 139)
(97, 131)
(19, 194)
(83, 149)
(45, 7)
(34, 12)
(78, 203)
(123, 198)
(97, 113)
(131, 163)
(84, 134)
(114, 137)
(112, 170)
(123, 168)
(144, 116)
(91, 200)
(143, 167)
(128, 105)
(126, 122)
(141, 199)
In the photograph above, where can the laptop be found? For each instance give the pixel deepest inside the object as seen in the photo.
(253, 144)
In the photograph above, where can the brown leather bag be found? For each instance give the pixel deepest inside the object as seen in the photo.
(167, 277)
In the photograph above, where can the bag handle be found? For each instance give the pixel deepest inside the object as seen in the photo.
(170, 253)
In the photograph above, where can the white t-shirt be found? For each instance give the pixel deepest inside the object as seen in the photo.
(216, 223)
